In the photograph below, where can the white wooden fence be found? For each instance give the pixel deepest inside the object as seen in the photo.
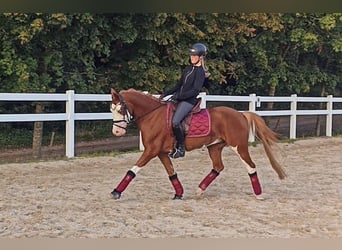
(255, 102)
(69, 116)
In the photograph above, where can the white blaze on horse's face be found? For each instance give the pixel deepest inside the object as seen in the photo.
(119, 126)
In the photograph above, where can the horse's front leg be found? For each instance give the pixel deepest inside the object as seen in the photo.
(177, 185)
(146, 156)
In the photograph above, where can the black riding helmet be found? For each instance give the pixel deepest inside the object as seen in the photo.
(198, 49)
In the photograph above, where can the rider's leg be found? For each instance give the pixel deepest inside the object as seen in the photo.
(179, 148)
(183, 108)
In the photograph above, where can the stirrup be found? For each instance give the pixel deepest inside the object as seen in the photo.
(176, 153)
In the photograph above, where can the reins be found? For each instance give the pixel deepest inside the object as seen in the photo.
(129, 117)
(149, 112)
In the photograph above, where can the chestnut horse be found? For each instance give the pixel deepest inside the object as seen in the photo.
(229, 127)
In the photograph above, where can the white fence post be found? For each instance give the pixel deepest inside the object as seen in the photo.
(328, 125)
(203, 96)
(70, 124)
(251, 105)
(293, 117)
(252, 108)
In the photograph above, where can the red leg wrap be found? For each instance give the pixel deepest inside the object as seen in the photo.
(176, 185)
(208, 179)
(125, 181)
(255, 183)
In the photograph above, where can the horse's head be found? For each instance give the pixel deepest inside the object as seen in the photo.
(131, 104)
(121, 114)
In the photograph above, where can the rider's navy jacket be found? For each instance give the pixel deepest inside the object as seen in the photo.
(189, 85)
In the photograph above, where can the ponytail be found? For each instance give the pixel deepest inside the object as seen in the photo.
(206, 71)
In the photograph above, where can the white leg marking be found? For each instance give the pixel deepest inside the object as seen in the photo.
(259, 197)
(199, 192)
(135, 169)
(214, 142)
(249, 169)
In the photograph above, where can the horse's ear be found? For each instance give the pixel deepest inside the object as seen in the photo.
(114, 94)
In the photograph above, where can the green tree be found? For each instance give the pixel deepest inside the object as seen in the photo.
(50, 53)
(304, 53)
(263, 53)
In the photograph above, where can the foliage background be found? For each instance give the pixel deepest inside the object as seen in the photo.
(263, 53)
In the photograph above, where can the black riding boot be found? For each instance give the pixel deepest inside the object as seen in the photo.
(179, 148)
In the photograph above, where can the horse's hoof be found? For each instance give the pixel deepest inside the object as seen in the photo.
(115, 194)
(259, 197)
(177, 197)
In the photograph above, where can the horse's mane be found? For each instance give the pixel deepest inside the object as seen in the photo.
(143, 95)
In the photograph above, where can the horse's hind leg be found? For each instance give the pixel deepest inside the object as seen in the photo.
(242, 152)
(215, 152)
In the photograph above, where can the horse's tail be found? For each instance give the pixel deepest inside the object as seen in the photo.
(259, 128)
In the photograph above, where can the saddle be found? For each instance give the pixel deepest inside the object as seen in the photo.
(196, 124)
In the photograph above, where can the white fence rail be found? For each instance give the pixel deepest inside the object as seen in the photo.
(255, 102)
(70, 98)
(69, 116)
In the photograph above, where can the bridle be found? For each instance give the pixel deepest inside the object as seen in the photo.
(128, 117)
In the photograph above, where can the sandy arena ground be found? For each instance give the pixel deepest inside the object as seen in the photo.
(71, 198)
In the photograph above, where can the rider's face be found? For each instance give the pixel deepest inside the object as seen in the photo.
(195, 60)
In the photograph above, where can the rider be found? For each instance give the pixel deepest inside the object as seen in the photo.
(185, 94)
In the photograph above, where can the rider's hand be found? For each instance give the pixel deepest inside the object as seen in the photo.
(172, 99)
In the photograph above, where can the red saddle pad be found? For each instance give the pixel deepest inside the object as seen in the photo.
(195, 124)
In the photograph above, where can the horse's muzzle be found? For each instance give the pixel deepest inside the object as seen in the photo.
(119, 129)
